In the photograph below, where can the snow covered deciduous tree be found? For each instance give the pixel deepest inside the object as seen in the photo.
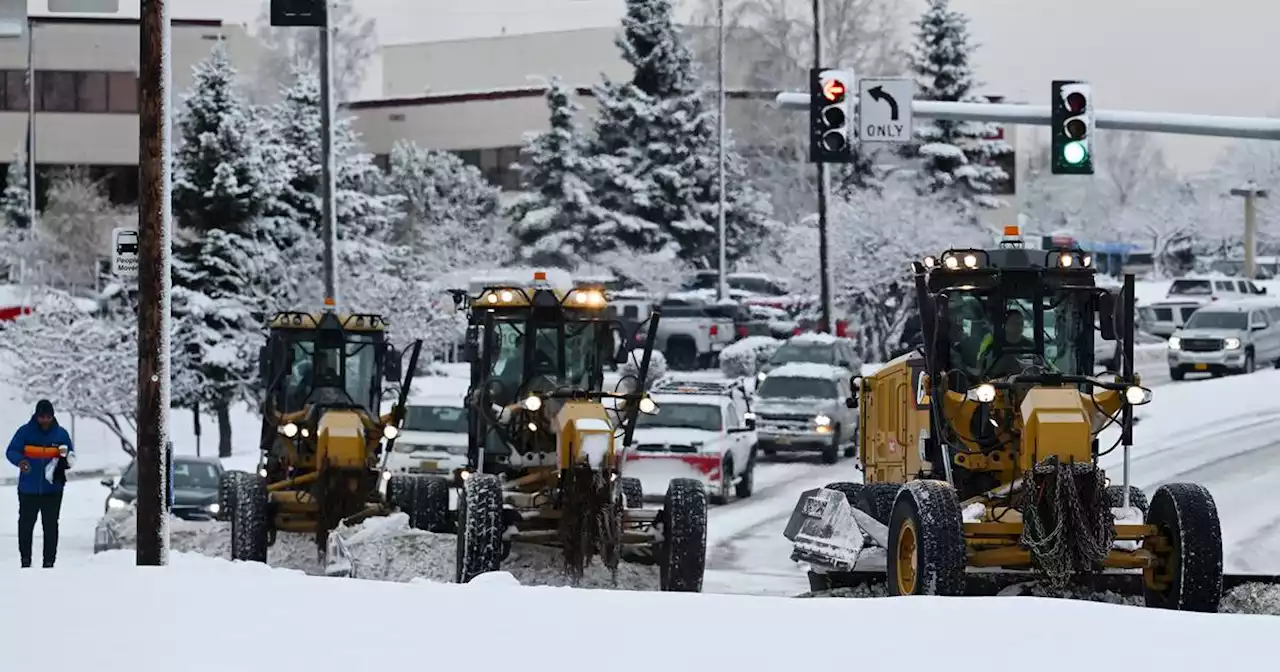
(64, 248)
(655, 152)
(354, 43)
(958, 157)
(221, 270)
(85, 364)
(555, 215)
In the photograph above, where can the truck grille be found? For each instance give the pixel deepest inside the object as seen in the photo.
(663, 448)
(1202, 344)
(1164, 314)
(786, 422)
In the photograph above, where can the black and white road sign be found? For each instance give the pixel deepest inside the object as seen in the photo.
(884, 109)
(124, 253)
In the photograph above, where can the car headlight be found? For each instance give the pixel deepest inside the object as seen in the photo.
(290, 430)
(213, 508)
(532, 402)
(404, 448)
(1137, 395)
(984, 393)
(822, 420)
(114, 503)
(456, 450)
(761, 376)
(1231, 343)
(390, 432)
(1175, 343)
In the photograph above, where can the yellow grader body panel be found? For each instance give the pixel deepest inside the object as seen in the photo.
(584, 429)
(341, 441)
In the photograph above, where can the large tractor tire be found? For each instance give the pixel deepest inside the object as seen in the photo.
(851, 490)
(876, 500)
(249, 519)
(400, 492)
(632, 492)
(228, 483)
(480, 527)
(1137, 498)
(1189, 577)
(682, 557)
(926, 554)
(430, 510)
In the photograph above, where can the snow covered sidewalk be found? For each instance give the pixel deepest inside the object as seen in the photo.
(207, 615)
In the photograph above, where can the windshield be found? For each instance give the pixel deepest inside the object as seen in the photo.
(187, 475)
(1190, 288)
(333, 375)
(817, 353)
(452, 419)
(580, 351)
(1209, 319)
(796, 388)
(685, 416)
(982, 350)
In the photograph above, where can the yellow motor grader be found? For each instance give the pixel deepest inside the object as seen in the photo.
(547, 441)
(980, 451)
(322, 432)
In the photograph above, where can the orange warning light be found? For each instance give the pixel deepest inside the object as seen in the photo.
(833, 90)
(540, 276)
(1012, 231)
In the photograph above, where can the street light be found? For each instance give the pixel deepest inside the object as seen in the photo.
(1251, 192)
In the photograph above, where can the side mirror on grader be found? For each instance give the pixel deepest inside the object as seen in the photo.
(1107, 316)
(855, 384)
(392, 368)
(264, 363)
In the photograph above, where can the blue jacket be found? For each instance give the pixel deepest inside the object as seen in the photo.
(40, 449)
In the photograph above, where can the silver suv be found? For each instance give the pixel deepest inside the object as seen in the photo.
(1227, 337)
(801, 407)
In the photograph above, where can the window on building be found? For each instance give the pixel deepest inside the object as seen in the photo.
(91, 92)
(122, 92)
(15, 91)
(57, 91)
(382, 161)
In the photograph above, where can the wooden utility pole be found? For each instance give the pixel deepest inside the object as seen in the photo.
(153, 282)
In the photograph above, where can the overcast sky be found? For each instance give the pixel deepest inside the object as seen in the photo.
(1195, 56)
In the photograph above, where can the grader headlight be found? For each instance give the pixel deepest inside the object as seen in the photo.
(290, 430)
(983, 394)
(390, 432)
(1137, 395)
(532, 403)
(588, 298)
(648, 406)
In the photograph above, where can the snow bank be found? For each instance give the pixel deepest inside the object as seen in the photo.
(234, 602)
(387, 549)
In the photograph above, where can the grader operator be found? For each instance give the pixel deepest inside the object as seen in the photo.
(981, 450)
(547, 442)
(322, 434)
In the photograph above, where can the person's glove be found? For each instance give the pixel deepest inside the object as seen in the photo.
(24, 466)
(62, 451)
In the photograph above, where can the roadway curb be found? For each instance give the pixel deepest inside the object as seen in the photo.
(71, 476)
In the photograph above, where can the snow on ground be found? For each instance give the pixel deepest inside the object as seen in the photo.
(236, 601)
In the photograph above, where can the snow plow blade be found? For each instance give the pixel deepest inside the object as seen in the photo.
(337, 560)
(824, 532)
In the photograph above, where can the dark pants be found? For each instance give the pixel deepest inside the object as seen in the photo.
(48, 508)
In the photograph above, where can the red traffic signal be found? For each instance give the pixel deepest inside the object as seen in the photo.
(833, 90)
(1076, 102)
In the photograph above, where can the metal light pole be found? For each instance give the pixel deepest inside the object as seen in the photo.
(723, 285)
(823, 246)
(31, 118)
(329, 226)
(154, 139)
(1251, 193)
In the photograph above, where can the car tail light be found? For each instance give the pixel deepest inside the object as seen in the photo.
(742, 331)
(715, 330)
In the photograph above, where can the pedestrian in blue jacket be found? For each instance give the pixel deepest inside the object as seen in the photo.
(42, 452)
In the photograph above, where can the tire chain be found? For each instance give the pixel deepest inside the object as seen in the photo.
(1079, 541)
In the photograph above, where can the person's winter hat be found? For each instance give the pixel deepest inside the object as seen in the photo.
(44, 407)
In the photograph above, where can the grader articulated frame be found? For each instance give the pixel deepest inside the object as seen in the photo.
(981, 455)
(547, 441)
(322, 433)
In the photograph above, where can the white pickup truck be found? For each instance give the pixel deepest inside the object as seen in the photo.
(692, 333)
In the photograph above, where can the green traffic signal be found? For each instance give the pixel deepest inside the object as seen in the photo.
(1075, 153)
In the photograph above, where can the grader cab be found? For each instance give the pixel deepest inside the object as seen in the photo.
(981, 450)
(322, 435)
(548, 441)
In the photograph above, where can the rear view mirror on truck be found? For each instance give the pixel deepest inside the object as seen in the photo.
(1107, 316)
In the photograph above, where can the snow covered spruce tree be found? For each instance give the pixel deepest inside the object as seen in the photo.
(15, 202)
(654, 152)
(958, 156)
(219, 265)
(555, 215)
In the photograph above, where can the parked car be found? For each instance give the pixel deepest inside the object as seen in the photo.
(1230, 337)
(814, 348)
(691, 333)
(195, 488)
(1186, 295)
(801, 408)
(432, 439)
(702, 430)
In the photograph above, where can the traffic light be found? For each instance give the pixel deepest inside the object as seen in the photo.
(1072, 128)
(830, 121)
(299, 13)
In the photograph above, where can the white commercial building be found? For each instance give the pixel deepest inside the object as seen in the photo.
(86, 86)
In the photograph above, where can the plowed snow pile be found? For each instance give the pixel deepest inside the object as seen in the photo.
(387, 549)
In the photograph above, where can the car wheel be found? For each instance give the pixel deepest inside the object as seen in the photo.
(1249, 366)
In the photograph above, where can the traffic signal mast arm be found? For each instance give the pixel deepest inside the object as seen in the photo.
(1251, 128)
